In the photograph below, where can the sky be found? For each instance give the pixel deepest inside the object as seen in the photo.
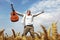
(51, 14)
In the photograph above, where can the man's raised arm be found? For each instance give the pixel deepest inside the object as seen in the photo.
(38, 14)
(20, 14)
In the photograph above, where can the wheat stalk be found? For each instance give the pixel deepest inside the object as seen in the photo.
(14, 35)
(54, 31)
(45, 33)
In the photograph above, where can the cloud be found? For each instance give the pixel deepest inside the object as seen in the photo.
(24, 1)
(52, 12)
(9, 1)
(46, 5)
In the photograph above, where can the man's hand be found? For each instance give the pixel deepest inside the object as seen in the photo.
(38, 14)
(18, 13)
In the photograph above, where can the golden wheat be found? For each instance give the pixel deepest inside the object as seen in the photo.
(45, 35)
(54, 31)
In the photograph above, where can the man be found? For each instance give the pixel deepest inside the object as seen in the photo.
(28, 22)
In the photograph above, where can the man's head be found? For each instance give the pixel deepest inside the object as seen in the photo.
(28, 12)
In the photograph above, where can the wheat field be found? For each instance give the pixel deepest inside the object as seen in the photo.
(48, 34)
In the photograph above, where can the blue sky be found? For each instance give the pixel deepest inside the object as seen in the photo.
(51, 8)
(5, 10)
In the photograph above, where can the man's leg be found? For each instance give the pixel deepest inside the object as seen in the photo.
(25, 31)
(32, 32)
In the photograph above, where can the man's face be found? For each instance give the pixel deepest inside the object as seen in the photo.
(28, 12)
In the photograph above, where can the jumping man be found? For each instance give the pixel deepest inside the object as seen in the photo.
(28, 22)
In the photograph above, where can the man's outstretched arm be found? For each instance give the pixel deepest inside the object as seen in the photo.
(38, 14)
(20, 14)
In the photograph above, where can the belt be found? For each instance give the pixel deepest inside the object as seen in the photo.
(28, 25)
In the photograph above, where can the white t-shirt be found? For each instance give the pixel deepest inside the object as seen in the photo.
(27, 20)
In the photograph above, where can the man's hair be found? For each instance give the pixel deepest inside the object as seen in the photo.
(28, 11)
